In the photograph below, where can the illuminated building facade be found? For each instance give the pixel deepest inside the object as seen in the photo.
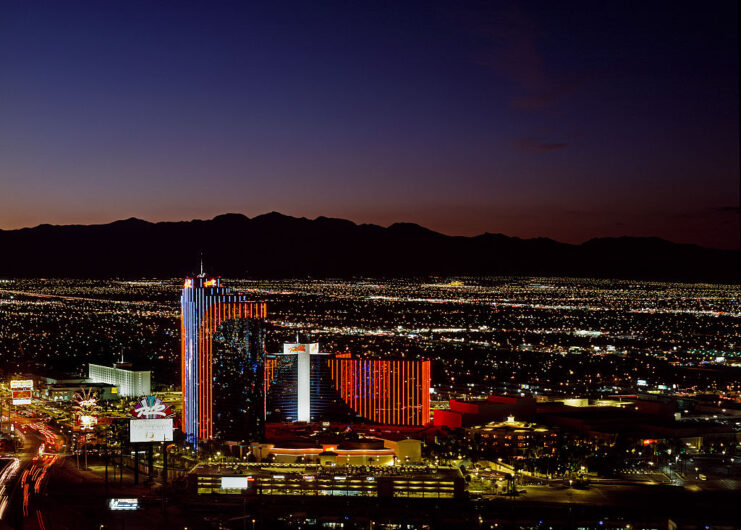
(299, 386)
(305, 385)
(128, 382)
(222, 347)
(420, 482)
(384, 391)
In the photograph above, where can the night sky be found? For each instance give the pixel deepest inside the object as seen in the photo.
(529, 119)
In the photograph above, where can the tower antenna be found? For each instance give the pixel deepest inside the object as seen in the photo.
(203, 274)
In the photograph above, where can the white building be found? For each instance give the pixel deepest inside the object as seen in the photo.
(303, 353)
(130, 383)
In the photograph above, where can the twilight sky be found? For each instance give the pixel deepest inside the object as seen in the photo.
(525, 118)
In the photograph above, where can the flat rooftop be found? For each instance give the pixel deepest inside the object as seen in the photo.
(287, 470)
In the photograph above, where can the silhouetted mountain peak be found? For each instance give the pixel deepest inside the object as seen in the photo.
(231, 218)
(131, 221)
(270, 216)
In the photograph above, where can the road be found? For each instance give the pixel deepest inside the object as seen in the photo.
(25, 474)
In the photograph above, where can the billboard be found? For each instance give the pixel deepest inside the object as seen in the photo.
(234, 483)
(123, 504)
(143, 431)
(87, 421)
(22, 390)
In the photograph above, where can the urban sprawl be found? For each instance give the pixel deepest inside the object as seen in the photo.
(434, 402)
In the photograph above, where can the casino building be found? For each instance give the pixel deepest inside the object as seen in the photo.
(222, 362)
(304, 384)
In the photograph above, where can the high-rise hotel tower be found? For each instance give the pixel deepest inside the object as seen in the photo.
(306, 385)
(222, 362)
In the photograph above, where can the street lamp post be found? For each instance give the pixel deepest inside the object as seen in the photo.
(136, 464)
(164, 461)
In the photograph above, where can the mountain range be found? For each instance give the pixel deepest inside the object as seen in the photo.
(276, 245)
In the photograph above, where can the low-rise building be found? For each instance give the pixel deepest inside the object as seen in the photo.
(314, 479)
(361, 452)
(513, 437)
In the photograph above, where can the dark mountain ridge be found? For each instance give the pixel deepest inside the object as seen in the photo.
(276, 245)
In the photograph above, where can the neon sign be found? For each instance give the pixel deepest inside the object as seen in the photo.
(88, 421)
(21, 390)
(86, 402)
(150, 408)
(86, 399)
(123, 504)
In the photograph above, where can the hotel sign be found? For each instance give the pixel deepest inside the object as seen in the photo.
(147, 431)
(123, 504)
(151, 421)
(22, 391)
(151, 408)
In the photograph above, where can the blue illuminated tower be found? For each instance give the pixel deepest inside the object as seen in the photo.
(222, 342)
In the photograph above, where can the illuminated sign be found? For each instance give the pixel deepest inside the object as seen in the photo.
(210, 283)
(188, 284)
(22, 397)
(86, 403)
(87, 421)
(234, 483)
(151, 408)
(86, 399)
(146, 431)
(123, 504)
(21, 391)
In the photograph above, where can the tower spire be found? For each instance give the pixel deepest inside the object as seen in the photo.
(202, 274)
